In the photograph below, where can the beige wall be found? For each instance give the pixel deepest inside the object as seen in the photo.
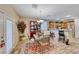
(7, 9)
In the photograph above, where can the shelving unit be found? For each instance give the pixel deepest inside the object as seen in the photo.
(53, 25)
(34, 27)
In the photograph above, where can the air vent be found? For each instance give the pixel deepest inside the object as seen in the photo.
(34, 5)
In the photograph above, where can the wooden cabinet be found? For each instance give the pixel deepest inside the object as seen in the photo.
(52, 25)
(64, 25)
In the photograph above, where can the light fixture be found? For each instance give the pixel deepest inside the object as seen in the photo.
(68, 16)
(38, 21)
(41, 20)
(34, 6)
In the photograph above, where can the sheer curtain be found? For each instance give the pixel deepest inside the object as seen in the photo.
(9, 35)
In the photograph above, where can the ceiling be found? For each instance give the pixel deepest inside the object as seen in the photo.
(47, 11)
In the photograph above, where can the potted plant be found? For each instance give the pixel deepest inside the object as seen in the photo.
(21, 27)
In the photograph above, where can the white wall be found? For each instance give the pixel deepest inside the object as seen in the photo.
(77, 28)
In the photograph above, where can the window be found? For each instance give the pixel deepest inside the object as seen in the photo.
(6, 26)
(9, 36)
(44, 25)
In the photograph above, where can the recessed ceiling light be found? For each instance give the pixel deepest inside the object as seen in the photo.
(41, 20)
(68, 16)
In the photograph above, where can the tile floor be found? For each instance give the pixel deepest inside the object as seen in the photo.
(61, 48)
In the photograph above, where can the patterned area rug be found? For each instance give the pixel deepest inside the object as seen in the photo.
(36, 49)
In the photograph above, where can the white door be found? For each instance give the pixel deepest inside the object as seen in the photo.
(9, 35)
